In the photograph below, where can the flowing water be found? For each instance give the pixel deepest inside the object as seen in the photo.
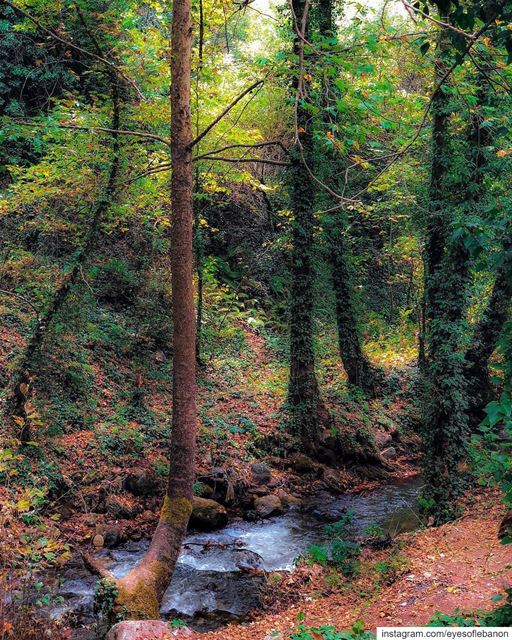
(213, 582)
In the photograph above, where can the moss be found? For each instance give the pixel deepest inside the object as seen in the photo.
(140, 602)
(140, 596)
(176, 511)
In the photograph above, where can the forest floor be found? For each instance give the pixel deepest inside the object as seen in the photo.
(461, 565)
(82, 468)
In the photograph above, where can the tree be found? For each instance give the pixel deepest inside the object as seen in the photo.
(486, 334)
(141, 590)
(303, 392)
(446, 285)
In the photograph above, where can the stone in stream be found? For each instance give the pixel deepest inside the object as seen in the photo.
(145, 630)
(209, 598)
(208, 515)
(267, 506)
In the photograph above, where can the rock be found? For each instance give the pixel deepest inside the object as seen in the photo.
(142, 482)
(389, 453)
(111, 535)
(287, 499)
(247, 560)
(302, 464)
(219, 484)
(141, 630)
(120, 508)
(382, 439)
(98, 541)
(267, 506)
(208, 515)
(160, 357)
(261, 473)
(332, 482)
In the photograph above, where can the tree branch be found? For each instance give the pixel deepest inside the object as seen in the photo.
(22, 299)
(278, 163)
(258, 145)
(226, 111)
(125, 132)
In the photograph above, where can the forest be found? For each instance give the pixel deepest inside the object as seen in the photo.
(255, 318)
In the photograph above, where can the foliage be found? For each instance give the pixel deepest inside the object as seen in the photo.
(339, 552)
(330, 633)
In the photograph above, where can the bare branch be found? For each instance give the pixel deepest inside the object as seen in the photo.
(124, 132)
(242, 146)
(278, 163)
(439, 23)
(22, 299)
(226, 111)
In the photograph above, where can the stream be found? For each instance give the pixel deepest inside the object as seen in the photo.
(213, 583)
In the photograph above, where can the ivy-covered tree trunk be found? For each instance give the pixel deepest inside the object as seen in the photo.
(141, 591)
(303, 393)
(444, 419)
(488, 330)
(357, 367)
(20, 406)
(485, 338)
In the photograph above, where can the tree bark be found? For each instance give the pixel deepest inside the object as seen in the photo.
(444, 419)
(357, 367)
(303, 393)
(140, 592)
(488, 330)
(485, 338)
(20, 405)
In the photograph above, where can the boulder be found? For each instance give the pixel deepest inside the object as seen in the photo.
(145, 630)
(208, 515)
(382, 439)
(142, 482)
(389, 453)
(261, 473)
(110, 535)
(288, 499)
(267, 506)
(98, 541)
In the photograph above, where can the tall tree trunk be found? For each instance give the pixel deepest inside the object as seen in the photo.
(303, 393)
(485, 338)
(488, 330)
(20, 406)
(444, 420)
(141, 591)
(357, 367)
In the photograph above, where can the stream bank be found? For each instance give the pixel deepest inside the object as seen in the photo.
(220, 574)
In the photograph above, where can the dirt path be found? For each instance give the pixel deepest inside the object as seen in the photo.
(460, 565)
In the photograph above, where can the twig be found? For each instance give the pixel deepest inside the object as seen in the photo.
(277, 163)
(257, 145)
(125, 132)
(226, 111)
(22, 299)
